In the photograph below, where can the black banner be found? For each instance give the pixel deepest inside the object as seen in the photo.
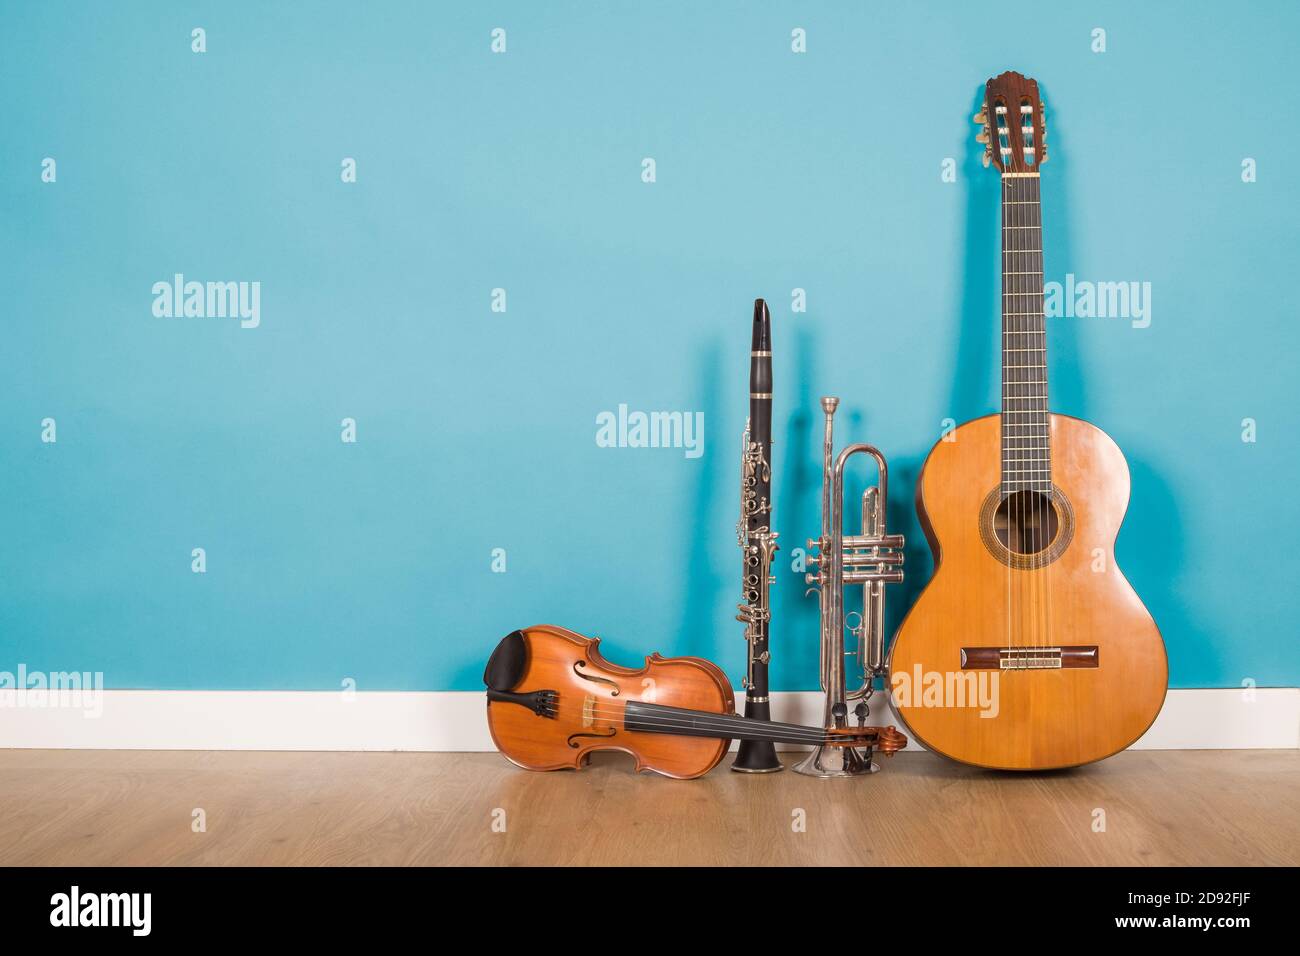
(237, 904)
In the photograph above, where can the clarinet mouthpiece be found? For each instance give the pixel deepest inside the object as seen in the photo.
(762, 327)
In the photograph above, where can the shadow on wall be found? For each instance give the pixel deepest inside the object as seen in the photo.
(1174, 614)
(974, 378)
(702, 582)
(795, 622)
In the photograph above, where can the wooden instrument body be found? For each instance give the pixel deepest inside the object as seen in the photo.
(1045, 718)
(592, 695)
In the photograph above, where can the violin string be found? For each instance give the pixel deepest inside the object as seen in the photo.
(677, 723)
(809, 735)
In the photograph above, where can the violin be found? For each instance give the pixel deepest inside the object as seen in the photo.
(553, 700)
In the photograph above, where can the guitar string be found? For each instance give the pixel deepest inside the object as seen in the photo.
(1019, 340)
(1032, 514)
(1031, 323)
(1039, 404)
(1007, 375)
(1025, 404)
(1019, 605)
(1048, 506)
(1042, 499)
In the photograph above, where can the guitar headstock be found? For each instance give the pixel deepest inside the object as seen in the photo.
(1012, 127)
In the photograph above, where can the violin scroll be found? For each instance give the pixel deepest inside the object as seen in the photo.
(887, 740)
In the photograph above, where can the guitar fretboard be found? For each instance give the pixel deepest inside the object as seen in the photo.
(1026, 451)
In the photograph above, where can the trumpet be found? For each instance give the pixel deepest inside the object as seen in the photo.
(871, 559)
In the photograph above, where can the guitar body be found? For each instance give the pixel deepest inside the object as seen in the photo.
(1052, 708)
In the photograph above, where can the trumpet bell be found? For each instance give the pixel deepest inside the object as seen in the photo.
(835, 762)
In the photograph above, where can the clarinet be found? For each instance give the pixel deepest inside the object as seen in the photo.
(757, 543)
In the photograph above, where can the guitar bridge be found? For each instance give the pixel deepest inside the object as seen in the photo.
(1029, 658)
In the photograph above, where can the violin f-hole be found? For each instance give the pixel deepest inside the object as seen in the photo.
(573, 738)
(598, 680)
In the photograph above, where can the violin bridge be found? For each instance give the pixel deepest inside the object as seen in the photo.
(588, 711)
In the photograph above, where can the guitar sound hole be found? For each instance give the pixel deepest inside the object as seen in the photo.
(1026, 522)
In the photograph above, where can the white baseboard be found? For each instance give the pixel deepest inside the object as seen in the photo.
(1211, 719)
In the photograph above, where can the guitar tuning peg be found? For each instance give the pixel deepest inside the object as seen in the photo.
(981, 117)
(988, 156)
(982, 136)
(1044, 157)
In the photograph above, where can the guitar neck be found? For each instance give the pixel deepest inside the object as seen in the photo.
(647, 718)
(1026, 451)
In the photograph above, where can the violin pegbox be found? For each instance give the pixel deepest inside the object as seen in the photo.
(1012, 127)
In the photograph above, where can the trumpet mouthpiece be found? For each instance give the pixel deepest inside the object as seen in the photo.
(829, 404)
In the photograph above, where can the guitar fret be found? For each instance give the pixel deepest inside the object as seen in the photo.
(1025, 422)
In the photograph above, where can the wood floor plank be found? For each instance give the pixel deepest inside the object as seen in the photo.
(136, 808)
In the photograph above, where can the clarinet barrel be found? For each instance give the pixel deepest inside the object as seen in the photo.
(757, 544)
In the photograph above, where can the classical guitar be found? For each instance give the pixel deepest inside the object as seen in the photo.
(1028, 649)
(552, 700)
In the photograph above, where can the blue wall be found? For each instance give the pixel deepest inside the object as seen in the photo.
(476, 429)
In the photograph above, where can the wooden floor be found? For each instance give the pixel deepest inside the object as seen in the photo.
(136, 808)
